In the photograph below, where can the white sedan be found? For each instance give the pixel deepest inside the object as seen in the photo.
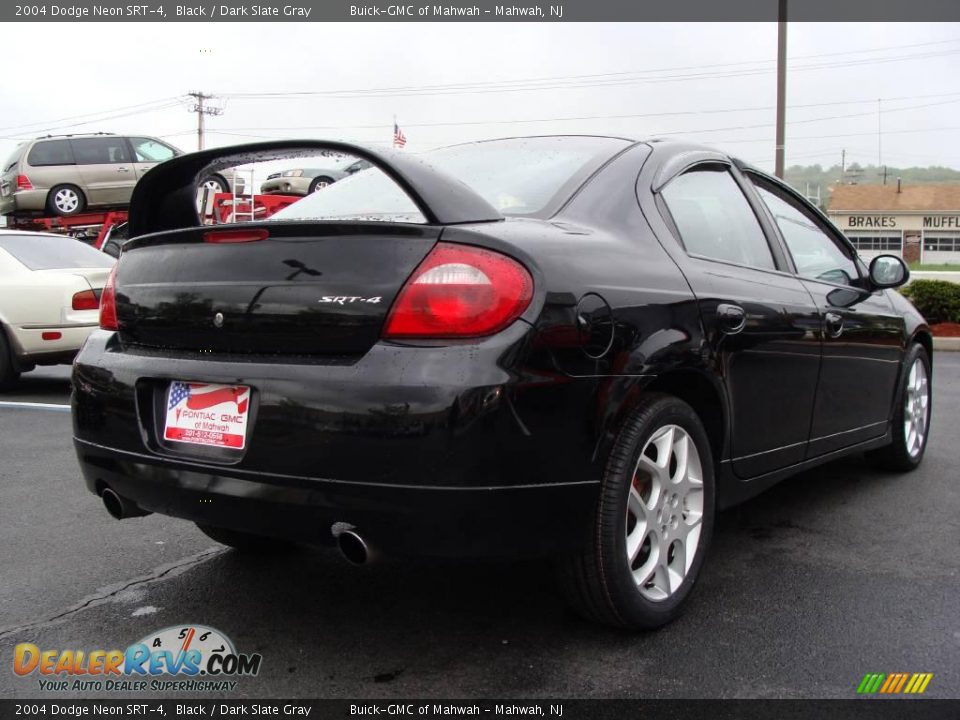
(49, 299)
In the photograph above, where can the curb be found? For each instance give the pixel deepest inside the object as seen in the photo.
(946, 343)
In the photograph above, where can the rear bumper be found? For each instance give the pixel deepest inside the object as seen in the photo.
(453, 522)
(31, 347)
(23, 201)
(286, 186)
(438, 451)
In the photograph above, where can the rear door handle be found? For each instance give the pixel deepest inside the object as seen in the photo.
(123, 169)
(731, 318)
(833, 324)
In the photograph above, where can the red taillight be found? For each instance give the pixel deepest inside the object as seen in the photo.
(108, 303)
(23, 183)
(85, 300)
(52, 335)
(460, 291)
(235, 236)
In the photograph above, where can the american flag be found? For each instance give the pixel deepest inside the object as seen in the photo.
(178, 391)
(399, 139)
(200, 396)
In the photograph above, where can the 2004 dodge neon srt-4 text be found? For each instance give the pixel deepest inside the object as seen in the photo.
(582, 348)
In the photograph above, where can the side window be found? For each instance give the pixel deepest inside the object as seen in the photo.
(150, 150)
(816, 254)
(715, 220)
(100, 151)
(50, 152)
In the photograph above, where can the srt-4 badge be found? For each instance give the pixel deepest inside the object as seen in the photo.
(348, 299)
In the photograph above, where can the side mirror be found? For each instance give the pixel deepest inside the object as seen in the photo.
(888, 271)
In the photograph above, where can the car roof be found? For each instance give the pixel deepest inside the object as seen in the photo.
(671, 144)
(81, 135)
(14, 231)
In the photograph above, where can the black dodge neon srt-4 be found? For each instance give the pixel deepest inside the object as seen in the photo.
(579, 347)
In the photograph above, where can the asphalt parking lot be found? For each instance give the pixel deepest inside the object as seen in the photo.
(833, 574)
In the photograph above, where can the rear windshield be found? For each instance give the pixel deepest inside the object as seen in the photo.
(14, 158)
(518, 176)
(42, 252)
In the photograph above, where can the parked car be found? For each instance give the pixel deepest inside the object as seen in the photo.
(309, 180)
(67, 174)
(50, 289)
(300, 181)
(568, 347)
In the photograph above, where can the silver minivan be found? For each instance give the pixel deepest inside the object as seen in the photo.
(67, 174)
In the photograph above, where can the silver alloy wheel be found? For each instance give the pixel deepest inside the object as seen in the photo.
(320, 185)
(916, 408)
(664, 512)
(66, 200)
(212, 185)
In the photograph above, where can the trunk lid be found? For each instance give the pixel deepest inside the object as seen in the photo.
(306, 289)
(96, 278)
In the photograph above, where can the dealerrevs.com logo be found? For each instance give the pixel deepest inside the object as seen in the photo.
(198, 657)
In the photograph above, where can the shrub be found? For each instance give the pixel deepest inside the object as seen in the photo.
(937, 300)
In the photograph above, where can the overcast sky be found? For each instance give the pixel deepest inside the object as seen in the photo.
(501, 73)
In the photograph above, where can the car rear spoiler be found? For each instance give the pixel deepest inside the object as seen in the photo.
(165, 198)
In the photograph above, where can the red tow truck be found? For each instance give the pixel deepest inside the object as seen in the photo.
(90, 227)
(94, 227)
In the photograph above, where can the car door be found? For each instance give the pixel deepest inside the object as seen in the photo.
(861, 331)
(106, 169)
(147, 152)
(760, 321)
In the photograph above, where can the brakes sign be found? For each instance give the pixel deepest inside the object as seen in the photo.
(203, 414)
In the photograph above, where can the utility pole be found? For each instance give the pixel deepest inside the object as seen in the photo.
(843, 163)
(781, 86)
(201, 112)
(884, 173)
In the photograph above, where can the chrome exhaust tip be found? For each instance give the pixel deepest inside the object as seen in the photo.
(120, 507)
(352, 546)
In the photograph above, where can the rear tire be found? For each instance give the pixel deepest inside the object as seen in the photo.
(911, 418)
(66, 200)
(656, 507)
(244, 542)
(215, 183)
(8, 371)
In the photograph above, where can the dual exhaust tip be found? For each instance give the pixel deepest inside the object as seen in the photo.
(354, 548)
(352, 545)
(120, 507)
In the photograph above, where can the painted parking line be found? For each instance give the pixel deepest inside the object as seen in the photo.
(34, 406)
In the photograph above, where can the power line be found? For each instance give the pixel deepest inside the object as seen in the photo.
(828, 137)
(574, 81)
(591, 76)
(806, 120)
(44, 124)
(629, 116)
(625, 72)
(88, 122)
(803, 121)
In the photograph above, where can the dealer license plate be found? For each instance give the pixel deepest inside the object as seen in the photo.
(205, 414)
